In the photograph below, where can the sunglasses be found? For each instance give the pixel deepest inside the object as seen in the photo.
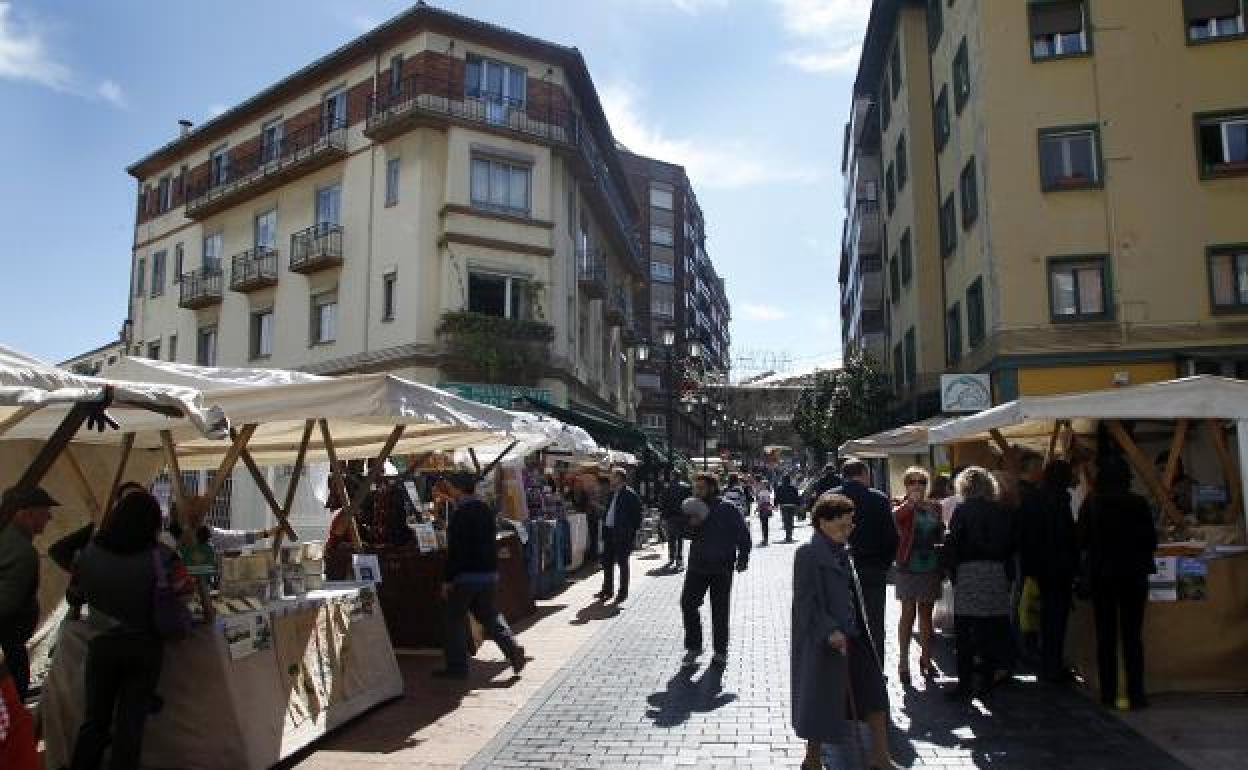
(912, 482)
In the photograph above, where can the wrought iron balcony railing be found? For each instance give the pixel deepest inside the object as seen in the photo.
(253, 269)
(200, 288)
(316, 248)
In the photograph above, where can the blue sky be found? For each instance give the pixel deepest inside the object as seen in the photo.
(750, 95)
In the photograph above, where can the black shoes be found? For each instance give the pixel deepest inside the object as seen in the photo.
(622, 597)
(519, 661)
(604, 594)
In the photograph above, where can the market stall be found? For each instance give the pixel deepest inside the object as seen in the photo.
(1175, 436)
(899, 448)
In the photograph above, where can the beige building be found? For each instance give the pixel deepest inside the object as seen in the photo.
(1076, 177)
(440, 198)
(95, 362)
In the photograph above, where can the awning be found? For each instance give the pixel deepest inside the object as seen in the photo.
(610, 432)
(906, 440)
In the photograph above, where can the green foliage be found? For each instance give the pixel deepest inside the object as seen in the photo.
(489, 349)
(842, 405)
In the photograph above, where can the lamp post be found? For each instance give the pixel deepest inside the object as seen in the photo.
(670, 356)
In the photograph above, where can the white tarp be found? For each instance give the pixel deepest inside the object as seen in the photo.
(1034, 416)
(45, 392)
(906, 440)
(534, 433)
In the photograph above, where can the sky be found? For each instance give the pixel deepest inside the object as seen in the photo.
(751, 96)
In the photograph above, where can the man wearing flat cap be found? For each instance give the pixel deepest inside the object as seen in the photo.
(24, 514)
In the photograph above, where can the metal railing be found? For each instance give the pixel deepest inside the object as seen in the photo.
(320, 243)
(267, 159)
(199, 287)
(252, 267)
(591, 266)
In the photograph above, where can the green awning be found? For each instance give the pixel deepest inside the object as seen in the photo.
(607, 430)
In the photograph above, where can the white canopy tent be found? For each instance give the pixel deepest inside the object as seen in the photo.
(534, 433)
(907, 440)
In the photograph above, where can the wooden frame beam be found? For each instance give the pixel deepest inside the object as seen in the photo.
(1230, 470)
(1144, 469)
(181, 499)
(1176, 454)
(127, 444)
(84, 485)
(12, 420)
(239, 439)
(378, 468)
(284, 513)
(336, 478)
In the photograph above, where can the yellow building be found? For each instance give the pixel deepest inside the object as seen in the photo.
(1075, 189)
(440, 198)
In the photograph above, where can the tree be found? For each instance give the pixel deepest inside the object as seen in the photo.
(843, 404)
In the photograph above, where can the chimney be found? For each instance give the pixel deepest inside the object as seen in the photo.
(184, 127)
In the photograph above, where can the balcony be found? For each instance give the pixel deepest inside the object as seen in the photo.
(265, 168)
(493, 350)
(199, 289)
(866, 239)
(591, 272)
(617, 307)
(423, 100)
(253, 269)
(317, 248)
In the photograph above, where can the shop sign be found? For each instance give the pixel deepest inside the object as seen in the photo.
(502, 396)
(965, 392)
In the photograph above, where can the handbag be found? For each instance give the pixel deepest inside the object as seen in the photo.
(170, 615)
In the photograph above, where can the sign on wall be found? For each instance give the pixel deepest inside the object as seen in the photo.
(502, 396)
(965, 392)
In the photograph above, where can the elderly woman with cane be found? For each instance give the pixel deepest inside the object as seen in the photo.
(834, 666)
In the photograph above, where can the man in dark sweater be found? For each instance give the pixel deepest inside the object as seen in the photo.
(787, 500)
(874, 544)
(673, 520)
(471, 580)
(720, 543)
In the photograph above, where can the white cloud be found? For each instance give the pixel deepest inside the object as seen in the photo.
(111, 92)
(694, 7)
(761, 312)
(24, 56)
(364, 23)
(725, 164)
(827, 33)
(216, 109)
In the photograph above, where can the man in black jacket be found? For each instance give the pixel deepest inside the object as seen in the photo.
(621, 522)
(471, 579)
(720, 543)
(787, 500)
(673, 520)
(1050, 555)
(874, 544)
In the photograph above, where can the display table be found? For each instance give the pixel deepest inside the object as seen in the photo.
(1189, 646)
(326, 660)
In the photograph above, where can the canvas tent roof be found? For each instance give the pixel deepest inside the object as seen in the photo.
(1034, 417)
(906, 440)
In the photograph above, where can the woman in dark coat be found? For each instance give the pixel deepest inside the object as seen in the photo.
(834, 664)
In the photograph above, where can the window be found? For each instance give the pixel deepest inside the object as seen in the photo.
(661, 197)
(179, 255)
(1077, 288)
(1069, 159)
(498, 295)
(219, 166)
(165, 189)
(140, 268)
(213, 246)
(968, 189)
(948, 227)
(266, 231)
(903, 165)
(654, 421)
(894, 69)
(392, 181)
(1057, 29)
(500, 86)
(662, 308)
(953, 334)
(396, 74)
(173, 347)
(942, 118)
(158, 274)
(153, 351)
(329, 205)
(961, 77)
(935, 24)
(1228, 277)
(661, 235)
(500, 185)
(661, 271)
(912, 358)
(890, 188)
(334, 111)
(886, 104)
(271, 141)
(1212, 19)
(894, 278)
(324, 317)
(975, 313)
(206, 346)
(899, 367)
(262, 333)
(389, 282)
(1223, 144)
(907, 258)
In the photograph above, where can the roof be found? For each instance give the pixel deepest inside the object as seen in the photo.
(419, 16)
(905, 440)
(879, 31)
(115, 344)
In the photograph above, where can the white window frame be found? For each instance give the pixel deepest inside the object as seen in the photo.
(159, 268)
(396, 74)
(271, 136)
(392, 181)
(389, 295)
(661, 191)
(179, 260)
(656, 230)
(509, 287)
(1239, 292)
(271, 229)
(140, 280)
(1073, 269)
(165, 188)
(1056, 46)
(1064, 138)
(318, 324)
(200, 336)
(1226, 136)
(211, 258)
(498, 106)
(338, 117)
(488, 202)
(661, 271)
(328, 215)
(1211, 26)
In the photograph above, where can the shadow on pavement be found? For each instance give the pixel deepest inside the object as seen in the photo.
(599, 610)
(685, 696)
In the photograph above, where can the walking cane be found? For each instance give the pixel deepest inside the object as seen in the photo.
(853, 713)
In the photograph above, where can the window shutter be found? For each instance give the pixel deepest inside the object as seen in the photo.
(1056, 18)
(1202, 10)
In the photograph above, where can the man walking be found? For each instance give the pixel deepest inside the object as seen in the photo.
(720, 542)
(673, 520)
(622, 520)
(787, 499)
(874, 544)
(27, 513)
(471, 579)
(735, 495)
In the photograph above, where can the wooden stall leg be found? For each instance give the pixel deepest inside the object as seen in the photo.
(1144, 469)
(378, 467)
(1176, 452)
(337, 480)
(226, 467)
(284, 513)
(1230, 472)
(181, 499)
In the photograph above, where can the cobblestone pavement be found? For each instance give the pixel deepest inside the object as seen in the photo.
(623, 702)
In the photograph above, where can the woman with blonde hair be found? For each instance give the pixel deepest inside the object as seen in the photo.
(980, 551)
(920, 530)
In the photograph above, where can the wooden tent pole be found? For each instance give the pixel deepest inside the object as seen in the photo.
(175, 471)
(1230, 472)
(1145, 471)
(240, 440)
(261, 482)
(378, 466)
(284, 514)
(127, 444)
(1176, 453)
(84, 486)
(336, 478)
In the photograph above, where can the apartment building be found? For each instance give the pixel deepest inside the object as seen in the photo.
(95, 362)
(864, 324)
(1075, 177)
(417, 201)
(681, 295)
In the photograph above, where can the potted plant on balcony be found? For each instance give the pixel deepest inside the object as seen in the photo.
(494, 350)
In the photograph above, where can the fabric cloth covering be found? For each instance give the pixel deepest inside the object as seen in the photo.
(329, 660)
(578, 540)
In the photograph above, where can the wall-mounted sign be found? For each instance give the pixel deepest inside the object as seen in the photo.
(965, 392)
(502, 396)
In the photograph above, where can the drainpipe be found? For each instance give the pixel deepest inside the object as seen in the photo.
(372, 214)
